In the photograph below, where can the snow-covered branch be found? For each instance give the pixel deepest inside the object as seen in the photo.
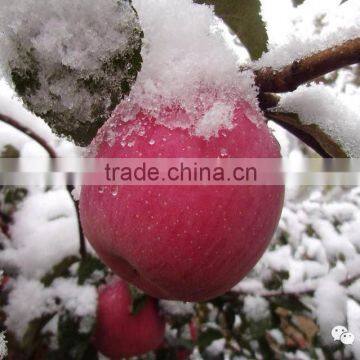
(290, 77)
(15, 124)
(52, 154)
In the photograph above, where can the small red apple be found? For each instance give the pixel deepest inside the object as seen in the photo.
(193, 330)
(118, 332)
(189, 243)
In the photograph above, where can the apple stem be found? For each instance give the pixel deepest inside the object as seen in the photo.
(52, 154)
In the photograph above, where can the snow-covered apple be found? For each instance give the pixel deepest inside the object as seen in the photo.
(119, 333)
(189, 243)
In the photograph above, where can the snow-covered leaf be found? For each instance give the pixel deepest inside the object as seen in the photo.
(311, 134)
(74, 344)
(298, 2)
(72, 61)
(32, 337)
(324, 117)
(244, 18)
(60, 269)
(88, 266)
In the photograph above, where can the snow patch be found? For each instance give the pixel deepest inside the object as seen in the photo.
(62, 294)
(256, 308)
(330, 298)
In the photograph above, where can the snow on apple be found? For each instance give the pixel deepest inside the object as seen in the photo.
(182, 74)
(200, 112)
(206, 236)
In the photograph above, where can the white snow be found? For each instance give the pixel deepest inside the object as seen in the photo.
(11, 106)
(79, 300)
(217, 118)
(330, 299)
(216, 348)
(353, 314)
(3, 346)
(78, 34)
(44, 233)
(256, 308)
(176, 307)
(29, 300)
(297, 34)
(277, 335)
(200, 74)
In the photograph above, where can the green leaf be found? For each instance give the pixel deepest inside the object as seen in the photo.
(290, 303)
(258, 328)
(59, 270)
(296, 3)
(207, 337)
(32, 338)
(13, 195)
(73, 344)
(10, 152)
(139, 300)
(244, 19)
(87, 266)
(276, 280)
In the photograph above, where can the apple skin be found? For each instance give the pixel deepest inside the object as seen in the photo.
(120, 334)
(189, 243)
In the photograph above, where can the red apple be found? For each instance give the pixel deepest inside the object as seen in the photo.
(189, 243)
(193, 330)
(118, 332)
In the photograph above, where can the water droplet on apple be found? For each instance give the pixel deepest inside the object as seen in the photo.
(152, 142)
(101, 189)
(114, 191)
(223, 152)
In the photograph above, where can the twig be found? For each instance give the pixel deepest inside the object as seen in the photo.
(52, 154)
(15, 124)
(82, 248)
(290, 77)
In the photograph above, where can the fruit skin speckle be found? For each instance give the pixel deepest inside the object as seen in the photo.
(189, 243)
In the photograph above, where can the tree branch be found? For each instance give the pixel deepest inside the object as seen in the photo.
(290, 77)
(52, 154)
(15, 124)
